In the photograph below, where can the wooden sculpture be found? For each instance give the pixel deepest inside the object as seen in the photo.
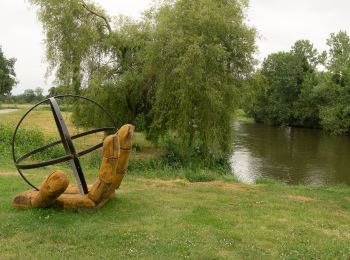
(56, 192)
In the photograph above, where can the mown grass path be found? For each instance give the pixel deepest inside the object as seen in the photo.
(7, 111)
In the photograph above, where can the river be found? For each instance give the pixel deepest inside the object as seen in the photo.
(290, 155)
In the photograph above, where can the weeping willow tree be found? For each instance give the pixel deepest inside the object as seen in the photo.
(179, 70)
(76, 33)
(202, 52)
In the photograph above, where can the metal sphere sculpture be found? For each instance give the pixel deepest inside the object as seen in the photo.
(55, 190)
(66, 139)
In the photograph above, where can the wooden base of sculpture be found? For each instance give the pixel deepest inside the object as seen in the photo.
(55, 192)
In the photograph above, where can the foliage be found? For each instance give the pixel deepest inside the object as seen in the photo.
(26, 141)
(75, 36)
(28, 96)
(290, 89)
(126, 89)
(177, 161)
(59, 90)
(205, 52)
(335, 86)
(7, 74)
(283, 91)
(177, 70)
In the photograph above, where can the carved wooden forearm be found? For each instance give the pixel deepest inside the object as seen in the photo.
(54, 191)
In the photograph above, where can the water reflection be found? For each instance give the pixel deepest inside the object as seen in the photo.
(292, 155)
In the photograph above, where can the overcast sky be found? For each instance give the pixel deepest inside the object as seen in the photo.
(279, 23)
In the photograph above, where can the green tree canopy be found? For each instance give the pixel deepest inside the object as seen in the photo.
(290, 89)
(335, 86)
(284, 94)
(7, 74)
(75, 33)
(201, 54)
(178, 70)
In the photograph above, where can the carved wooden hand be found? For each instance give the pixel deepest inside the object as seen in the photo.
(56, 192)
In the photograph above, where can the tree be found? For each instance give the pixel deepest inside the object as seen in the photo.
(29, 96)
(59, 90)
(7, 74)
(284, 78)
(39, 93)
(285, 91)
(306, 107)
(177, 71)
(335, 86)
(76, 32)
(339, 57)
(92, 58)
(201, 54)
(127, 87)
(254, 100)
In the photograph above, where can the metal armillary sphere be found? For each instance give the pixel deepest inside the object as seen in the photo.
(66, 139)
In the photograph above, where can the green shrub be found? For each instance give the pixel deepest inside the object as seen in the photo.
(175, 154)
(26, 141)
(178, 161)
(92, 160)
(179, 156)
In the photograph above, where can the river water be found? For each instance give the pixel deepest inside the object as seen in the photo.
(291, 155)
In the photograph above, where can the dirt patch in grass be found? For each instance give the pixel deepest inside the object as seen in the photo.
(147, 153)
(8, 173)
(336, 233)
(225, 185)
(159, 182)
(299, 198)
(218, 184)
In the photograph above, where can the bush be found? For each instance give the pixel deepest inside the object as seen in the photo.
(26, 141)
(178, 161)
(177, 155)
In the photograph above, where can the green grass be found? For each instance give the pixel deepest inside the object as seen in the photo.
(157, 219)
(242, 116)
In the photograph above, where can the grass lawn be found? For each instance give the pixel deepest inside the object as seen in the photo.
(162, 219)
(153, 218)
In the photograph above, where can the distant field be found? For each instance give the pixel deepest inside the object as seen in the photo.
(18, 106)
(43, 120)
